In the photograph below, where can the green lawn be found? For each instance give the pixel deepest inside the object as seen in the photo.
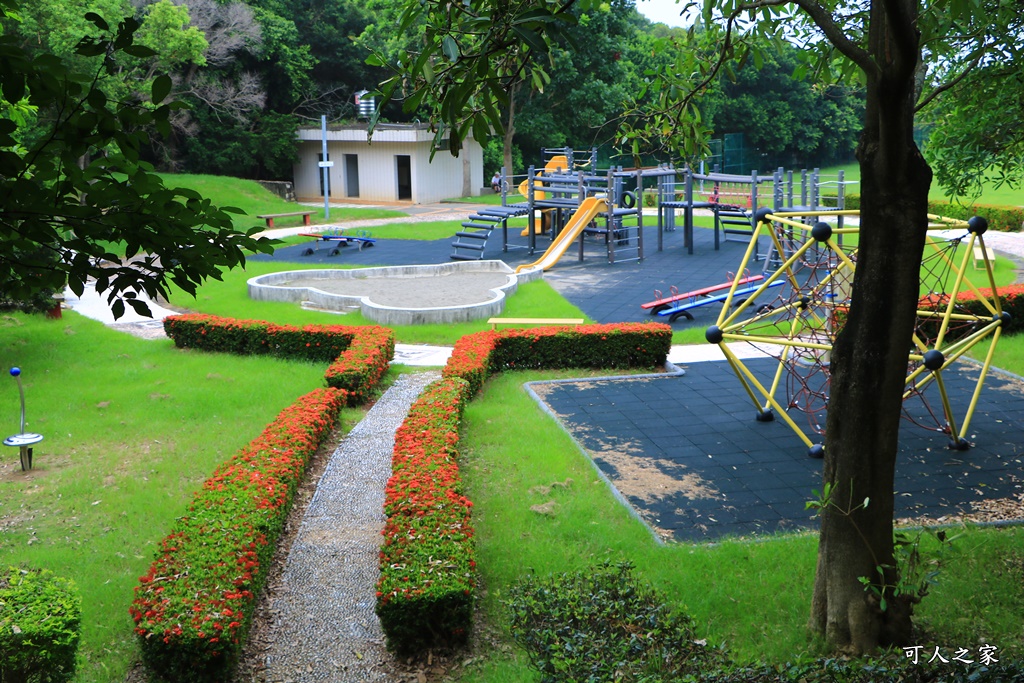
(254, 200)
(991, 195)
(751, 597)
(229, 297)
(132, 427)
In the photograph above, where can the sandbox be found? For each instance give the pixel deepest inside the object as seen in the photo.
(400, 295)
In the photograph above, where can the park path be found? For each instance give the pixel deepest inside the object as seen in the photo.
(323, 624)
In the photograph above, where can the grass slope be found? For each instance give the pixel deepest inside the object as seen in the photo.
(254, 200)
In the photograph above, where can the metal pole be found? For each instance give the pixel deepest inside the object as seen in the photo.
(326, 169)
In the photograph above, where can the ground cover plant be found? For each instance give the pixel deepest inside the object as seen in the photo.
(132, 427)
(40, 617)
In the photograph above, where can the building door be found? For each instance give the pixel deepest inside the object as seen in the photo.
(351, 175)
(320, 172)
(403, 165)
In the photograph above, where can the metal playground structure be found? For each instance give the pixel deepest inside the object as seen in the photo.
(797, 325)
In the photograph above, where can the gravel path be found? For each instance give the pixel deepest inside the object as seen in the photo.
(324, 626)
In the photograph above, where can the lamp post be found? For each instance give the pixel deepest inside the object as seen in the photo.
(25, 440)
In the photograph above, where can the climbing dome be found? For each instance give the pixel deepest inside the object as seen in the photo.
(801, 305)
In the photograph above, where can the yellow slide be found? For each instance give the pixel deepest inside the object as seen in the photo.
(590, 207)
(556, 164)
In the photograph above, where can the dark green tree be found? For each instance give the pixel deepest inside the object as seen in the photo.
(790, 122)
(72, 191)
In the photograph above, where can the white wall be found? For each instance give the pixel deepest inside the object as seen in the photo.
(378, 170)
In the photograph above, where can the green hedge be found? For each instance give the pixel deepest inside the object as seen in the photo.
(358, 356)
(40, 615)
(193, 608)
(1002, 218)
(619, 345)
(425, 592)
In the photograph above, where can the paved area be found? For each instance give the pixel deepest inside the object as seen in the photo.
(688, 455)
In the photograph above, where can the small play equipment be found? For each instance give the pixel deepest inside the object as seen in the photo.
(679, 305)
(339, 237)
(554, 196)
(799, 328)
(735, 199)
(23, 440)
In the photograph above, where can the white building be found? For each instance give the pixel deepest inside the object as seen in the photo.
(394, 167)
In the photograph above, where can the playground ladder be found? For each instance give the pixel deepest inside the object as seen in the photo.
(469, 244)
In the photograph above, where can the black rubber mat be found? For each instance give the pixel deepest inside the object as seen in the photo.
(688, 455)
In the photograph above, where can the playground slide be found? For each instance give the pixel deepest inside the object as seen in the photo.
(587, 211)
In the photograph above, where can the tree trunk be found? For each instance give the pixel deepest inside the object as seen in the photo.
(467, 172)
(869, 359)
(510, 128)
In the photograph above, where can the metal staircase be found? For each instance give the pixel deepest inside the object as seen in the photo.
(469, 243)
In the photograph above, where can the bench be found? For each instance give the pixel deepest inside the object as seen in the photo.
(341, 239)
(494, 322)
(979, 257)
(269, 217)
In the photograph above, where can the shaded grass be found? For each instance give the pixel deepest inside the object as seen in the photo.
(132, 427)
(229, 297)
(752, 597)
(254, 199)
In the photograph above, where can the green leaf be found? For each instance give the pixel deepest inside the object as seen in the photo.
(161, 88)
(450, 48)
(97, 20)
(531, 38)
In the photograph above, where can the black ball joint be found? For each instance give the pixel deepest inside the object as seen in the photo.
(977, 225)
(766, 416)
(821, 231)
(817, 451)
(934, 360)
(761, 216)
(714, 334)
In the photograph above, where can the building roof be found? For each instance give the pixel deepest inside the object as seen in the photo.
(384, 132)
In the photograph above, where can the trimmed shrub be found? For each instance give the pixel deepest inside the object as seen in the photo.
(193, 608)
(620, 345)
(1002, 218)
(358, 356)
(1011, 300)
(425, 592)
(603, 624)
(40, 615)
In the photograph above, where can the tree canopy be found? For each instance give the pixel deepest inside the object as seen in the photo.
(78, 184)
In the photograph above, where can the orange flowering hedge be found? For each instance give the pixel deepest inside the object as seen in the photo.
(1011, 299)
(358, 356)
(193, 608)
(426, 590)
(618, 345)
